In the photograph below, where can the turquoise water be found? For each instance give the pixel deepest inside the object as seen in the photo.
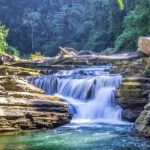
(95, 136)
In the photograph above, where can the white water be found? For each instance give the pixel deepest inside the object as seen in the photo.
(90, 93)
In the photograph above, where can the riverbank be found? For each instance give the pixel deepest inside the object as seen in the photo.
(26, 107)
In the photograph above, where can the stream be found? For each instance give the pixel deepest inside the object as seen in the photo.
(96, 123)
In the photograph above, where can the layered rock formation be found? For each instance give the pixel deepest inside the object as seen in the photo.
(133, 96)
(25, 107)
(19, 71)
(134, 92)
(134, 89)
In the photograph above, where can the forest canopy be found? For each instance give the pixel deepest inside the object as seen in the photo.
(44, 25)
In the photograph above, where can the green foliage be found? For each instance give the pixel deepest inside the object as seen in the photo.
(136, 24)
(115, 20)
(12, 51)
(121, 4)
(36, 56)
(44, 25)
(3, 36)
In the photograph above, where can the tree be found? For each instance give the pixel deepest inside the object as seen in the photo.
(136, 24)
(3, 36)
(115, 20)
(32, 19)
(44, 25)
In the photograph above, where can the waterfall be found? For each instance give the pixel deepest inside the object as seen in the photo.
(89, 91)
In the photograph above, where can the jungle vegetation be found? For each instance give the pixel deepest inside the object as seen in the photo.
(44, 25)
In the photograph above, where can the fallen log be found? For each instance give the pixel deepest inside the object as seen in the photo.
(79, 60)
(125, 56)
(67, 52)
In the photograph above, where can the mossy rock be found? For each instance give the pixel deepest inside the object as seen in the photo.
(7, 70)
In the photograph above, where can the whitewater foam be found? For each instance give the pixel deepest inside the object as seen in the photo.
(91, 97)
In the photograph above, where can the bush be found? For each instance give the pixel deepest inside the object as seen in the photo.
(12, 51)
(36, 56)
(3, 36)
(127, 41)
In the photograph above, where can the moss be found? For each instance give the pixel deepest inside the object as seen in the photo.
(129, 92)
(7, 70)
(54, 98)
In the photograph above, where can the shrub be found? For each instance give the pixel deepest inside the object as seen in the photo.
(36, 56)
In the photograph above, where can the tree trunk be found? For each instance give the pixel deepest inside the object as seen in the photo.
(32, 38)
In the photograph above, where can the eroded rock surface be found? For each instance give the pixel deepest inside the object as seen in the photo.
(133, 93)
(142, 124)
(133, 96)
(25, 107)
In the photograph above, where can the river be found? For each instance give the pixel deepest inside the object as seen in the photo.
(96, 123)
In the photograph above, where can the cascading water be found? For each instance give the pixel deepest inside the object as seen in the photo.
(89, 91)
(96, 124)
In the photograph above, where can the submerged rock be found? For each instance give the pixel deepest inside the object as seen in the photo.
(25, 107)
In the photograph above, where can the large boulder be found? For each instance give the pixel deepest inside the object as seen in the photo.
(144, 45)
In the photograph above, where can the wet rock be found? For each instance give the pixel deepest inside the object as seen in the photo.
(48, 72)
(82, 72)
(131, 114)
(142, 125)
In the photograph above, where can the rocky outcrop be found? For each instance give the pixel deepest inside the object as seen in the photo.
(134, 68)
(25, 107)
(142, 124)
(144, 45)
(8, 70)
(6, 57)
(133, 96)
(134, 89)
